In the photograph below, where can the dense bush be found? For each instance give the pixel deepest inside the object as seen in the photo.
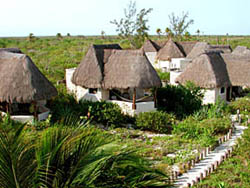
(204, 130)
(217, 110)
(178, 100)
(155, 121)
(243, 104)
(106, 113)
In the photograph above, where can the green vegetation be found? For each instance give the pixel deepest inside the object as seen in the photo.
(164, 76)
(155, 121)
(197, 127)
(179, 100)
(242, 104)
(65, 109)
(133, 26)
(206, 130)
(235, 171)
(63, 156)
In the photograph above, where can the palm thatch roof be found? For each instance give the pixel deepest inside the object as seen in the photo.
(21, 81)
(242, 51)
(186, 46)
(198, 49)
(169, 51)
(13, 50)
(129, 69)
(207, 71)
(109, 67)
(238, 69)
(203, 47)
(150, 46)
(221, 48)
(89, 74)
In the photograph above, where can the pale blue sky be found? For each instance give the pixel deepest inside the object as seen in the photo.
(90, 17)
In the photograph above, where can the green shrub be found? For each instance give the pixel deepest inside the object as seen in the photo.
(65, 110)
(155, 121)
(106, 113)
(164, 76)
(243, 104)
(178, 100)
(204, 130)
(217, 110)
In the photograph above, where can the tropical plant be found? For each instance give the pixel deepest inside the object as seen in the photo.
(134, 26)
(164, 76)
(169, 32)
(17, 158)
(158, 31)
(178, 100)
(179, 25)
(155, 121)
(242, 104)
(71, 157)
(59, 36)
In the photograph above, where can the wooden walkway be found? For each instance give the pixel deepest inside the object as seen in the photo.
(210, 162)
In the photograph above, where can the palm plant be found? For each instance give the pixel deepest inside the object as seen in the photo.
(17, 158)
(85, 157)
(67, 157)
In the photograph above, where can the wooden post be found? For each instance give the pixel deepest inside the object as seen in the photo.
(155, 97)
(134, 100)
(35, 110)
(7, 107)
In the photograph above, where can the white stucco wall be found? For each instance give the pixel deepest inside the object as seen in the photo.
(151, 57)
(68, 75)
(173, 76)
(176, 63)
(211, 95)
(83, 93)
(140, 107)
(164, 65)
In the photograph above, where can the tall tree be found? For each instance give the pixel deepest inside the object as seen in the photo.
(180, 24)
(198, 32)
(168, 32)
(134, 25)
(158, 31)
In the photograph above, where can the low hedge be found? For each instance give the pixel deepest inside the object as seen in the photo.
(158, 121)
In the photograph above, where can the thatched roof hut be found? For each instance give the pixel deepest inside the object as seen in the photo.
(150, 46)
(198, 49)
(207, 71)
(169, 51)
(21, 81)
(203, 47)
(109, 67)
(89, 74)
(13, 50)
(129, 69)
(221, 48)
(186, 46)
(242, 51)
(238, 69)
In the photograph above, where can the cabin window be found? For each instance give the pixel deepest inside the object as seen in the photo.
(222, 90)
(92, 90)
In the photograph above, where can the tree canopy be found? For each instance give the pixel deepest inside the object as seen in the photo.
(134, 25)
(180, 24)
